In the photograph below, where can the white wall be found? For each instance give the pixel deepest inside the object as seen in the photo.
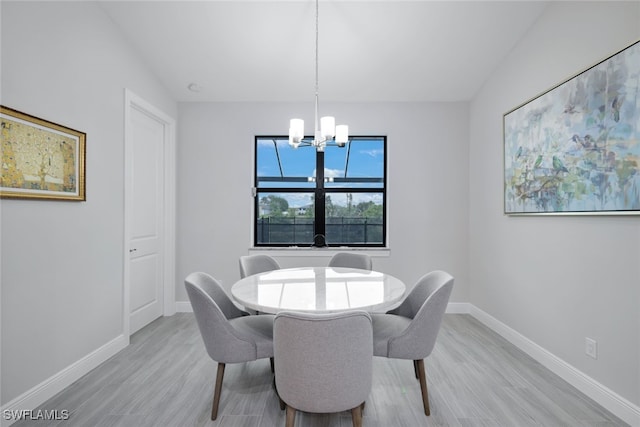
(427, 190)
(553, 279)
(62, 272)
(556, 279)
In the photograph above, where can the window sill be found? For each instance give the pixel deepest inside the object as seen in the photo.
(317, 252)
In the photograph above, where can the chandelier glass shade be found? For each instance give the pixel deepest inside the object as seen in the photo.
(325, 131)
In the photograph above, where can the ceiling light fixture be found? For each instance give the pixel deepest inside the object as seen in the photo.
(324, 134)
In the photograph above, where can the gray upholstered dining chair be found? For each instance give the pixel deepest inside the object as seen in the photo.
(410, 331)
(323, 362)
(254, 264)
(229, 335)
(351, 260)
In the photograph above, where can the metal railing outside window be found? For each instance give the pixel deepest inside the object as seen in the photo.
(300, 231)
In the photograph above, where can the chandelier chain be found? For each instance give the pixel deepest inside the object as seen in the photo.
(317, 85)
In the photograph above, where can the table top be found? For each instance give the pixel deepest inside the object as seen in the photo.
(319, 289)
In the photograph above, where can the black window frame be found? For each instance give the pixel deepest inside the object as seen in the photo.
(319, 192)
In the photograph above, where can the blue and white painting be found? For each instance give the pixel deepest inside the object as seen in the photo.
(576, 148)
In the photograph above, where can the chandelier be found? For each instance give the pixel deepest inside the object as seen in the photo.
(327, 133)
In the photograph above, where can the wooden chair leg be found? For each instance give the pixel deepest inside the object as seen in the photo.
(415, 369)
(356, 416)
(271, 362)
(216, 393)
(423, 386)
(291, 417)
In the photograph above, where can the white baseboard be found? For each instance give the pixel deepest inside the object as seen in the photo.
(44, 391)
(606, 397)
(458, 308)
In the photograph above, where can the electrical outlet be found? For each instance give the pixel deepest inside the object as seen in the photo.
(591, 347)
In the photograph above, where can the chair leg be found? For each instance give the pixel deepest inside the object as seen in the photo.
(356, 416)
(271, 362)
(216, 393)
(415, 369)
(275, 387)
(423, 386)
(291, 417)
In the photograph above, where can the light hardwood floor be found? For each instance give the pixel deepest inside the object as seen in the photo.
(475, 378)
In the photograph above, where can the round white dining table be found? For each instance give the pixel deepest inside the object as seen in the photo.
(319, 289)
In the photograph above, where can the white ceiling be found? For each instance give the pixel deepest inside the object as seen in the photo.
(370, 51)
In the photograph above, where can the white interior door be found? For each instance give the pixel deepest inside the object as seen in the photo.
(146, 219)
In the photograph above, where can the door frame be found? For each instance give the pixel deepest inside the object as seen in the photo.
(133, 101)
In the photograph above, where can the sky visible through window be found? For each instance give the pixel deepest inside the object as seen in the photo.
(364, 159)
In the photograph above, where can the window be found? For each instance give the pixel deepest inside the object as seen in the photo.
(303, 195)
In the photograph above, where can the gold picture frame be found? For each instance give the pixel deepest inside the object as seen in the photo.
(40, 159)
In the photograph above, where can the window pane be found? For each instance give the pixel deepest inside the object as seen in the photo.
(360, 164)
(354, 218)
(279, 165)
(350, 200)
(285, 218)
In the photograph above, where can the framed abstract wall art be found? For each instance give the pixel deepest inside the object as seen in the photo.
(575, 149)
(40, 159)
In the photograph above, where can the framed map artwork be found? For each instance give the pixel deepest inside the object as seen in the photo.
(575, 149)
(40, 159)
